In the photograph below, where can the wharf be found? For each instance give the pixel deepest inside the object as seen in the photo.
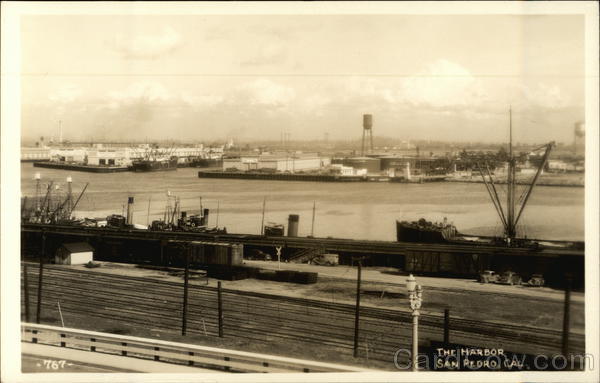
(282, 176)
(329, 244)
(312, 177)
(81, 167)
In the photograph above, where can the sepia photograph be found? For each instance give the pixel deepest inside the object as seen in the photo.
(300, 191)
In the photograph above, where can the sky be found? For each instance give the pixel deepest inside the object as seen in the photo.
(214, 77)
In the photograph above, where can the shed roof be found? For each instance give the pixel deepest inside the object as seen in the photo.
(77, 247)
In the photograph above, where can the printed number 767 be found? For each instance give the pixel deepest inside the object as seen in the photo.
(54, 364)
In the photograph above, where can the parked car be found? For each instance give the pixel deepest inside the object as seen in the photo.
(509, 278)
(488, 276)
(536, 280)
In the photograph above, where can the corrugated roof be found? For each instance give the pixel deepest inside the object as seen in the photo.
(77, 247)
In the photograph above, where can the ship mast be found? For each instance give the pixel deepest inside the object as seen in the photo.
(510, 220)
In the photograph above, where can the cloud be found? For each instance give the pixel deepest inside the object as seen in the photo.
(443, 83)
(209, 100)
(147, 46)
(545, 96)
(66, 94)
(267, 54)
(143, 91)
(264, 92)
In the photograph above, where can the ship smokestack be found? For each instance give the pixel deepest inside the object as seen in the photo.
(205, 217)
(130, 211)
(70, 198)
(293, 225)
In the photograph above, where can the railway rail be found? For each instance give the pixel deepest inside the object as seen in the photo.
(260, 317)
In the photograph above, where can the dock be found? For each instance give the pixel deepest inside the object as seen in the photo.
(308, 177)
(81, 167)
(154, 247)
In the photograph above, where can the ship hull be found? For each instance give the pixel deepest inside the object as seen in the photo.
(411, 232)
(154, 166)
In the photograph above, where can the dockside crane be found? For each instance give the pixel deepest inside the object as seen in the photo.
(511, 213)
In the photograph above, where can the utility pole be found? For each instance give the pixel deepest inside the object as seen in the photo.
(220, 308)
(40, 279)
(148, 216)
(262, 222)
(357, 310)
(566, 315)
(185, 290)
(312, 228)
(26, 288)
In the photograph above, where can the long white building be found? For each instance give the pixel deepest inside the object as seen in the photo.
(280, 162)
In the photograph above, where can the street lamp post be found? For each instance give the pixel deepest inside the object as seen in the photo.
(415, 297)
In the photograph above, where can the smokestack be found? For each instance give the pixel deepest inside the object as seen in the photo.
(37, 192)
(70, 200)
(130, 211)
(293, 225)
(205, 217)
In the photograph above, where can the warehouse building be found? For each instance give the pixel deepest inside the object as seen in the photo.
(371, 165)
(109, 157)
(293, 162)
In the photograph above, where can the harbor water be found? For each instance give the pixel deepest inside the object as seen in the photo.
(366, 210)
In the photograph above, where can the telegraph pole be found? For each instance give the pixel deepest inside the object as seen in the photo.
(357, 311)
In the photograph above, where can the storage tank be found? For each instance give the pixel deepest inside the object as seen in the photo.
(367, 121)
(373, 165)
(293, 220)
(392, 163)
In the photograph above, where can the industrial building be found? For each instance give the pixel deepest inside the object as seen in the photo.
(77, 253)
(35, 154)
(277, 162)
(372, 165)
(67, 155)
(111, 157)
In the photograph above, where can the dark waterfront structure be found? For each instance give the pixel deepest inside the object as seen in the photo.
(154, 165)
(164, 248)
(80, 167)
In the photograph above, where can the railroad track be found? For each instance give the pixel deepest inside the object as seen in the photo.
(261, 317)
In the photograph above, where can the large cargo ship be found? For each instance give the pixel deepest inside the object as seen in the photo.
(154, 165)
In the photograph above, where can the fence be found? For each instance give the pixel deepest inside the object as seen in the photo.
(172, 352)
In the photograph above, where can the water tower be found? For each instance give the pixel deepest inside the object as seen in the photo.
(367, 131)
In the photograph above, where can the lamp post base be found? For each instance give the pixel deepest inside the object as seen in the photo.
(415, 342)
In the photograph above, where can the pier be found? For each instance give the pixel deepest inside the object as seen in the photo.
(314, 177)
(81, 167)
(155, 247)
